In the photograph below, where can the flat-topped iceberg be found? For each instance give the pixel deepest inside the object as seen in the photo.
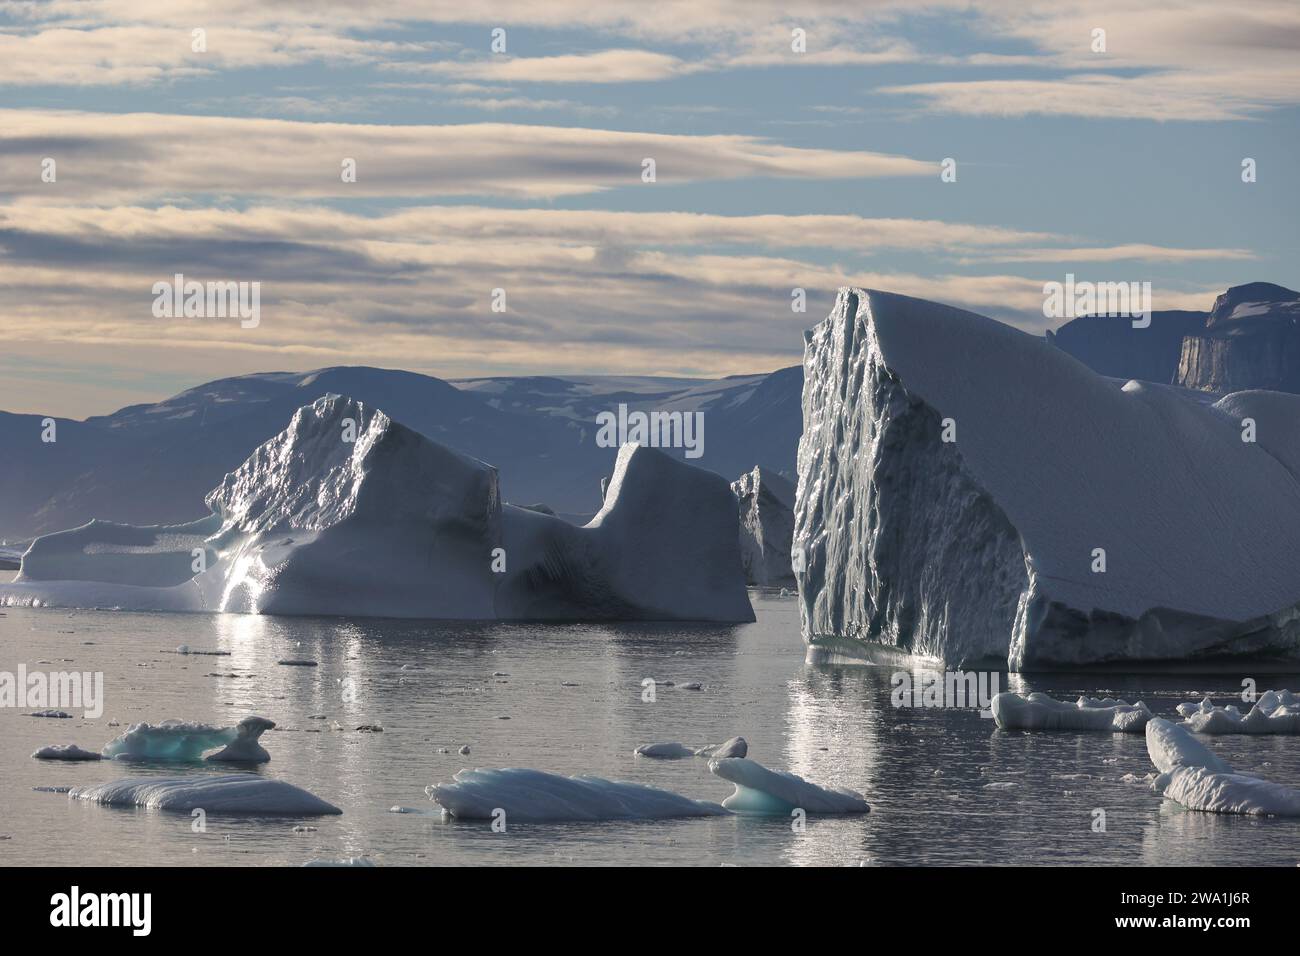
(347, 512)
(182, 740)
(1040, 712)
(534, 796)
(1194, 777)
(774, 792)
(1276, 712)
(240, 793)
(971, 494)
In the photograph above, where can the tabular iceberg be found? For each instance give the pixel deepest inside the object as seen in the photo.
(1194, 777)
(969, 493)
(349, 512)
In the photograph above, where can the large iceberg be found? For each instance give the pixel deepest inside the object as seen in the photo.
(971, 494)
(347, 512)
(1194, 777)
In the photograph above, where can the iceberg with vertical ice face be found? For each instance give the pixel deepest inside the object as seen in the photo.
(766, 527)
(1194, 777)
(969, 493)
(347, 512)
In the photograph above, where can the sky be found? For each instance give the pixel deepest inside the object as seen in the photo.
(502, 146)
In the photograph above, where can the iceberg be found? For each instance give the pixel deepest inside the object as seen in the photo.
(1041, 712)
(65, 752)
(772, 792)
(1276, 712)
(1193, 776)
(186, 741)
(534, 796)
(735, 747)
(766, 527)
(664, 751)
(347, 512)
(240, 793)
(970, 494)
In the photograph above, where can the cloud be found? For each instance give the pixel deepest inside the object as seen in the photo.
(294, 160)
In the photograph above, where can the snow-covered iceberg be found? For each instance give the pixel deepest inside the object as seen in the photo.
(534, 796)
(1041, 712)
(969, 493)
(240, 793)
(1194, 777)
(347, 512)
(181, 740)
(763, 791)
(766, 527)
(1276, 712)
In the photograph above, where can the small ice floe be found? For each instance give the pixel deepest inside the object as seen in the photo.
(239, 793)
(53, 714)
(735, 747)
(297, 662)
(691, 685)
(670, 750)
(464, 751)
(65, 752)
(186, 649)
(763, 791)
(534, 796)
(186, 741)
(370, 728)
(63, 789)
(1276, 712)
(1194, 777)
(1041, 712)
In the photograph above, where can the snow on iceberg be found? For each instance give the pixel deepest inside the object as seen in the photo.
(1041, 712)
(672, 750)
(763, 791)
(1194, 777)
(960, 482)
(347, 512)
(65, 752)
(1276, 712)
(240, 793)
(766, 527)
(534, 796)
(183, 741)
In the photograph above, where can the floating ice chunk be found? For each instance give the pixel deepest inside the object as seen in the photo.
(1171, 746)
(55, 714)
(1194, 777)
(245, 793)
(763, 791)
(346, 861)
(735, 747)
(185, 741)
(671, 750)
(1041, 712)
(65, 752)
(532, 796)
(1276, 712)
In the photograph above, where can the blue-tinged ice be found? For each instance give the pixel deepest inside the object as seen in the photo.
(188, 741)
(763, 791)
(239, 793)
